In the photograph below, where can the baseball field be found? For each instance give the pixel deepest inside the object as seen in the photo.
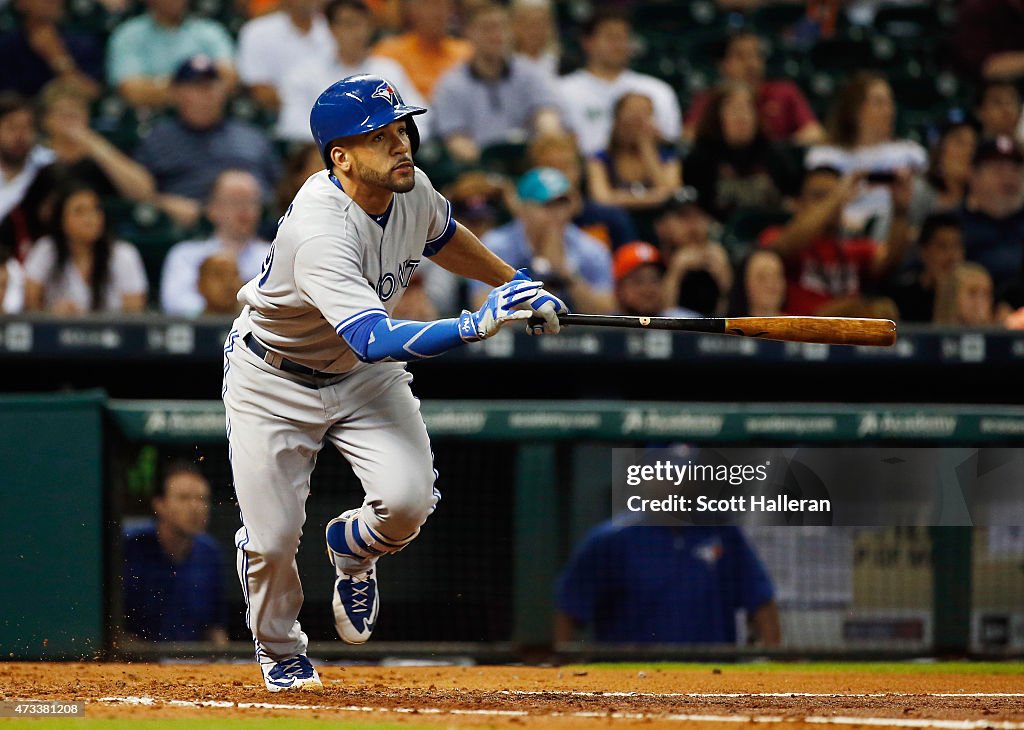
(949, 696)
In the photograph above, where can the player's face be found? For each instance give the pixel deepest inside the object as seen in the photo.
(185, 507)
(384, 158)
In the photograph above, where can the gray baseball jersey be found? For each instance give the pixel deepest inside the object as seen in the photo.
(332, 264)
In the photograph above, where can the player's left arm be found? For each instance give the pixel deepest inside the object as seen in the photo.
(466, 255)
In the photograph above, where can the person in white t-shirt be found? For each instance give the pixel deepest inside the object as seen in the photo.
(12, 286)
(352, 25)
(80, 268)
(271, 46)
(234, 209)
(862, 139)
(589, 94)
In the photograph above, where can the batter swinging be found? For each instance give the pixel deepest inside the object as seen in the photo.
(315, 356)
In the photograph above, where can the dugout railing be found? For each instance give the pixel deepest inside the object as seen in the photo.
(522, 482)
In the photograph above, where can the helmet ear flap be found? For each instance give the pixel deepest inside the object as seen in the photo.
(414, 133)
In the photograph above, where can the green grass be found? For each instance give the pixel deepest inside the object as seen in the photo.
(268, 723)
(909, 667)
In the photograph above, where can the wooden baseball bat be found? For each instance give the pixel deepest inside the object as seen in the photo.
(824, 330)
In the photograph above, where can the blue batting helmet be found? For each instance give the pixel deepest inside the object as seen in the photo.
(356, 105)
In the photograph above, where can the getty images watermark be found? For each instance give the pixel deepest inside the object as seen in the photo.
(856, 486)
(667, 472)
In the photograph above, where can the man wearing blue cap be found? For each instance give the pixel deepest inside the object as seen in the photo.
(574, 265)
(317, 355)
(186, 154)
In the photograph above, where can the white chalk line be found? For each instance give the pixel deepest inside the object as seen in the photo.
(735, 695)
(675, 717)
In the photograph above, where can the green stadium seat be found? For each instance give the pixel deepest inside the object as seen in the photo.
(153, 233)
(909, 21)
(843, 54)
(116, 120)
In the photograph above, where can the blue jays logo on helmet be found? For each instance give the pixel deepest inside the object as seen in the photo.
(360, 104)
(387, 92)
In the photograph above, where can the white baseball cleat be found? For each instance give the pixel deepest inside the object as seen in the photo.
(356, 604)
(290, 674)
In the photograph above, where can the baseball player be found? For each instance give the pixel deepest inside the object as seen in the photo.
(316, 357)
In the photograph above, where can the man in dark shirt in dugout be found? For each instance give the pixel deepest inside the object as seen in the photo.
(173, 570)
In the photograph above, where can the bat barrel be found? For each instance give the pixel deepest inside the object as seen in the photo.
(823, 330)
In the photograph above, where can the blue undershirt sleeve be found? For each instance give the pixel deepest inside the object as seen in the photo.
(377, 337)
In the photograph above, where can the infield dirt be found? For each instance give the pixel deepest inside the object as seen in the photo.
(509, 696)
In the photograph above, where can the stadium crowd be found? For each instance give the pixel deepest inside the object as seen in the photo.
(843, 157)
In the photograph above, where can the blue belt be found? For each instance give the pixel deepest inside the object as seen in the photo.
(257, 349)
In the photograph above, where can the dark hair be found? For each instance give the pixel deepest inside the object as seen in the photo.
(990, 84)
(933, 223)
(605, 15)
(336, 6)
(721, 49)
(739, 301)
(11, 101)
(613, 140)
(171, 469)
(823, 170)
(842, 120)
(101, 252)
(709, 128)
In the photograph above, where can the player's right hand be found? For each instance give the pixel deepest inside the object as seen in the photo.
(501, 307)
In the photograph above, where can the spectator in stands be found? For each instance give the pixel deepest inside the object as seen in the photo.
(588, 95)
(782, 108)
(993, 215)
(861, 136)
(218, 284)
(79, 268)
(352, 27)
(303, 161)
(640, 282)
(536, 36)
(29, 220)
(12, 285)
(83, 153)
(638, 583)
(273, 45)
(638, 170)
(949, 171)
(965, 297)
(21, 157)
(542, 238)
(37, 50)
(999, 109)
(609, 224)
(699, 274)
(173, 572)
(145, 52)
(186, 154)
(940, 248)
(426, 51)
(760, 286)
(234, 210)
(989, 38)
(492, 98)
(733, 164)
(827, 272)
